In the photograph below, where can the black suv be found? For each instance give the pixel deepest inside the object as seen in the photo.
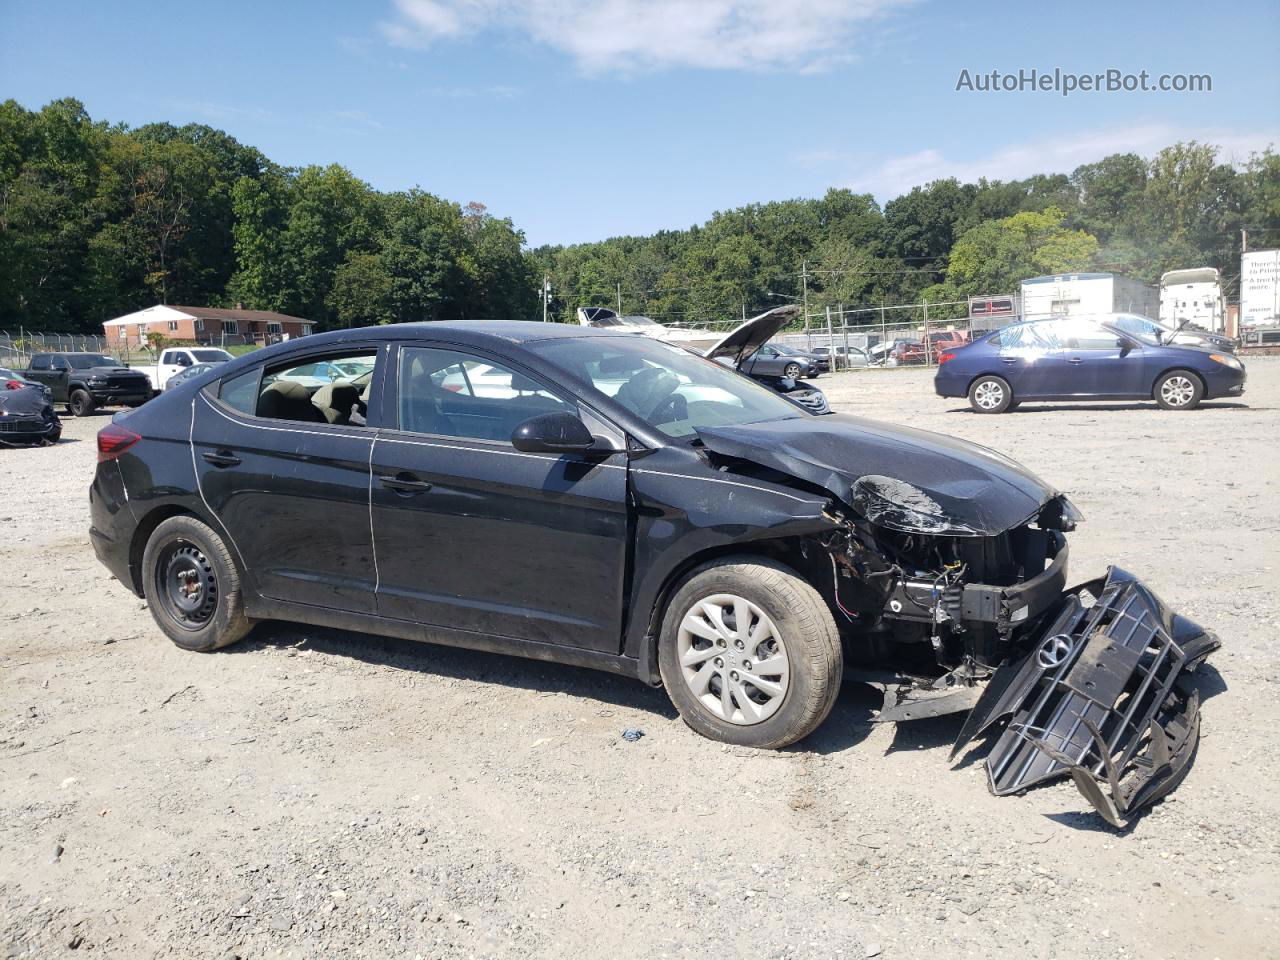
(86, 381)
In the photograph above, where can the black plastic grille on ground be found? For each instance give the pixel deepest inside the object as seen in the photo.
(1112, 664)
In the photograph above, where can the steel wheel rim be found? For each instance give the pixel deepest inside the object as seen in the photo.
(1177, 391)
(187, 585)
(988, 395)
(733, 659)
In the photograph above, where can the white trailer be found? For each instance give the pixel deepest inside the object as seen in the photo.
(1084, 294)
(1259, 289)
(1192, 298)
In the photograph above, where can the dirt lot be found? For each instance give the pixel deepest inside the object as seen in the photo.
(317, 794)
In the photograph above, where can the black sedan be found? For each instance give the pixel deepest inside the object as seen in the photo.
(26, 411)
(613, 501)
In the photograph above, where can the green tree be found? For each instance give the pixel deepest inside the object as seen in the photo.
(994, 257)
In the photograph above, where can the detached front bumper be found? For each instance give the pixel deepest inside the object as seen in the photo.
(1102, 695)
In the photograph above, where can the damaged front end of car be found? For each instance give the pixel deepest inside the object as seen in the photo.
(948, 565)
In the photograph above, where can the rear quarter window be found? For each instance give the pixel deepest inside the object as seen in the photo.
(241, 393)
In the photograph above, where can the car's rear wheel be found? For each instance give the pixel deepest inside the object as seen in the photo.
(80, 403)
(792, 370)
(990, 395)
(192, 586)
(1179, 390)
(749, 653)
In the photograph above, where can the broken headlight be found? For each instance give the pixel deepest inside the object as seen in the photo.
(899, 505)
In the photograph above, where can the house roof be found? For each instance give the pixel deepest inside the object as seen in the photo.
(171, 312)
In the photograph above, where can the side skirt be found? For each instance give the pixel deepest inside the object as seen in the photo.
(260, 608)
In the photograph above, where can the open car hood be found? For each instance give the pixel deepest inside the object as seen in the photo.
(750, 335)
(896, 477)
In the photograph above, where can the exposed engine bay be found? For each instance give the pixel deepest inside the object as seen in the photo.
(950, 608)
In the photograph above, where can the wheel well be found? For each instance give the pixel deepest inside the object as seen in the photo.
(1204, 387)
(142, 533)
(787, 552)
(974, 379)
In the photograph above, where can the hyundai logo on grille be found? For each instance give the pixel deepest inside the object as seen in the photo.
(1054, 650)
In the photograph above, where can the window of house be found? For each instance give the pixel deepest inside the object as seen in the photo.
(173, 326)
(230, 326)
(274, 327)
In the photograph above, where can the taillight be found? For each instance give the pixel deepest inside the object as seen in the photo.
(13, 384)
(114, 440)
(944, 356)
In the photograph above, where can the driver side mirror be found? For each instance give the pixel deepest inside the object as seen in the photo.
(1125, 344)
(552, 433)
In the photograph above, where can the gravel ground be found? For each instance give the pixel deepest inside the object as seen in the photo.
(311, 793)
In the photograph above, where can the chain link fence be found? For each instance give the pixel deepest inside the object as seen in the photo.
(889, 336)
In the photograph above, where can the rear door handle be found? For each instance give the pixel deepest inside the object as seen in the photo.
(1008, 359)
(1076, 360)
(404, 483)
(221, 458)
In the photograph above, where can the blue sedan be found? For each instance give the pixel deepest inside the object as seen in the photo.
(1083, 358)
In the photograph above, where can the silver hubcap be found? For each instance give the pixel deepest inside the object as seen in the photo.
(733, 659)
(1177, 391)
(988, 395)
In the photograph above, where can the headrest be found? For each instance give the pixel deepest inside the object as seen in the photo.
(288, 389)
(522, 384)
(336, 396)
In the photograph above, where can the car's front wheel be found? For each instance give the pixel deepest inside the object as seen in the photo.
(990, 395)
(792, 370)
(192, 586)
(80, 403)
(749, 653)
(1179, 390)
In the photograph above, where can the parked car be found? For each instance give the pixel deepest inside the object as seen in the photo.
(770, 360)
(687, 527)
(86, 381)
(26, 412)
(1140, 326)
(898, 352)
(846, 357)
(10, 376)
(1083, 358)
(940, 340)
(821, 362)
(174, 360)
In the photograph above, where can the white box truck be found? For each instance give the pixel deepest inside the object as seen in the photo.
(1085, 294)
(1192, 298)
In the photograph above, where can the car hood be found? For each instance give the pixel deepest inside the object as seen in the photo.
(750, 335)
(27, 401)
(108, 371)
(897, 477)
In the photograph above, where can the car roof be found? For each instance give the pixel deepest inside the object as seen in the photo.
(463, 331)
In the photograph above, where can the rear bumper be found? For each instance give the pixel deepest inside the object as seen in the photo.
(111, 523)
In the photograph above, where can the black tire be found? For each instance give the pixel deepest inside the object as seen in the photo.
(809, 640)
(80, 403)
(192, 586)
(1178, 390)
(990, 395)
(1013, 405)
(54, 436)
(791, 370)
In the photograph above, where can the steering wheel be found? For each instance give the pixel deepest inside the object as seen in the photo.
(674, 404)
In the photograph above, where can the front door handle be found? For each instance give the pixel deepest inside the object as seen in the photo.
(1076, 360)
(404, 483)
(1008, 359)
(221, 458)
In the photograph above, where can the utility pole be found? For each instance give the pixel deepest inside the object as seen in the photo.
(619, 298)
(804, 280)
(1244, 241)
(546, 295)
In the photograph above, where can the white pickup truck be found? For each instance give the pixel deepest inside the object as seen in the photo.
(175, 359)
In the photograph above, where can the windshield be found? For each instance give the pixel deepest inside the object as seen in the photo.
(1138, 327)
(86, 361)
(211, 356)
(669, 388)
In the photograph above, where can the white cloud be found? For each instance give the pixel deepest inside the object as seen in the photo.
(896, 175)
(629, 35)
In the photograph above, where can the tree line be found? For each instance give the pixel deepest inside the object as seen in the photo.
(97, 220)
